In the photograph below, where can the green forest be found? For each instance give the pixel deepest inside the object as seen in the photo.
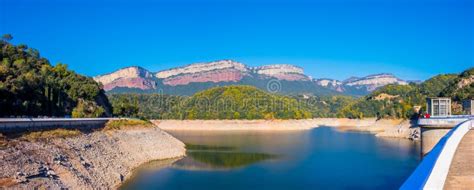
(397, 101)
(247, 102)
(229, 102)
(31, 86)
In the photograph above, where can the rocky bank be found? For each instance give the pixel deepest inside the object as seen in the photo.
(96, 160)
(396, 128)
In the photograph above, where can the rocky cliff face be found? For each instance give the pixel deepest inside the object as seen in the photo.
(366, 84)
(227, 72)
(373, 82)
(202, 68)
(130, 77)
(219, 71)
(330, 83)
(282, 72)
(215, 72)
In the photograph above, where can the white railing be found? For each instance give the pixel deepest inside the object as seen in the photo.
(431, 173)
(443, 121)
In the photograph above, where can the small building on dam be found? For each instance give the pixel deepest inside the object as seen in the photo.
(441, 120)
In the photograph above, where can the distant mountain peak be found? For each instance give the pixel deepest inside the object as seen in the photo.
(282, 72)
(202, 67)
(374, 81)
(224, 72)
(135, 76)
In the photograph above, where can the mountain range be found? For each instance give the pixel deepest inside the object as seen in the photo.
(280, 78)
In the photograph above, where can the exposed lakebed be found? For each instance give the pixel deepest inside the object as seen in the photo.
(321, 158)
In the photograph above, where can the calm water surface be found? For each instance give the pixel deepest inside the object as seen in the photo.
(322, 158)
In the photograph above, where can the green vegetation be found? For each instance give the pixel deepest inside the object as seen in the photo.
(126, 123)
(241, 102)
(49, 134)
(325, 106)
(463, 88)
(145, 106)
(3, 142)
(246, 102)
(87, 109)
(228, 159)
(397, 101)
(287, 87)
(229, 102)
(31, 86)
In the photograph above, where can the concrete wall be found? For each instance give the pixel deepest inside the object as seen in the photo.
(433, 129)
(8, 125)
(430, 137)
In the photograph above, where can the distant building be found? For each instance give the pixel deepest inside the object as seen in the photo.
(438, 106)
(468, 107)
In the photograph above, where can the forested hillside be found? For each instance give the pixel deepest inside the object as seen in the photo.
(397, 101)
(230, 102)
(245, 102)
(31, 86)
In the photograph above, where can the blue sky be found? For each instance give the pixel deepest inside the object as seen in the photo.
(330, 39)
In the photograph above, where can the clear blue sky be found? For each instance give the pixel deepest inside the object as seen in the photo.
(336, 39)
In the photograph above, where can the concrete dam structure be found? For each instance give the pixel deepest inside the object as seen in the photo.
(12, 125)
(434, 128)
(448, 154)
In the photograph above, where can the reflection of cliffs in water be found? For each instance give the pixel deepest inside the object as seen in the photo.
(204, 157)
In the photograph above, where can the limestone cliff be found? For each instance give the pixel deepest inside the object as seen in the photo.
(373, 82)
(282, 72)
(227, 72)
(131, 77)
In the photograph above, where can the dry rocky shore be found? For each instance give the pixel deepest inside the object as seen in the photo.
(104, 159)
(96, 160)
(396, 128)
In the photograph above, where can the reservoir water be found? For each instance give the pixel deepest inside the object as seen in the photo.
(322, 158)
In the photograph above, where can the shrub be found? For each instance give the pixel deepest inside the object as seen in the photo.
(56, 133)
(126, 123)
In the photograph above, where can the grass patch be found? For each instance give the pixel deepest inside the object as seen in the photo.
(127, 123)
(56, 133)
(3, 141)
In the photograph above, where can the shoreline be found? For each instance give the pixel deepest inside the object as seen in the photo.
(396, 128)
(108, 158)
(100, 159)
(234, 125)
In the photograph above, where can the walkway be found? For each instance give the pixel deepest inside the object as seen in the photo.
(461, 172)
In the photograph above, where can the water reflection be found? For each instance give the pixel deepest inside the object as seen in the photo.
(218, 157)
(202, 147)
(322, 158)
(220, 160)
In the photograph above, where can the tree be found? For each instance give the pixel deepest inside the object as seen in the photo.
(30, 86)
(126, 107)
(85, 109)
(7, 37)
